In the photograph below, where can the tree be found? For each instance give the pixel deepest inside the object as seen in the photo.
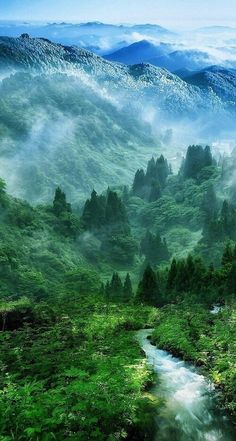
(232, 279)
(154, 248)
(227, 257)
(210, 204)
(148, 290)
(127, 289)
(116, 287)
(196, 159)
(155, 192)
(60, 204)
(172, 274)
(151, 174)
(93, 216)
(163, 170)
(115, 211)
(139, 183)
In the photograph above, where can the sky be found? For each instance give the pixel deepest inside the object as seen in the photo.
(171, 13)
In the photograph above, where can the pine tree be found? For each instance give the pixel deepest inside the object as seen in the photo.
(208, 159)
(154, 249)
(102, 289)
(196, 159)
(227, 257)
(163, 170)
(116, 286)
(115, 210)
(155, 192)
(107, 291)
(139, 183)
(60, 204)
(127, 289)
(232, 279)
(151, 174)
(93, 216)
(148, 290)
(171, 280)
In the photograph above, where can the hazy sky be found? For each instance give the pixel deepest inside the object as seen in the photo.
(166, 12)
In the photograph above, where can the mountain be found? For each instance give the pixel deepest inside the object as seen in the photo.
(100, 37)
(183, 59)
(138, 52)
(217, 29)
(71, 118)
(222, 81)
(183, 73)
(146, 82)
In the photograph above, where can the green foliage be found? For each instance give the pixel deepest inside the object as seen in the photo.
(196, 159)
(154, 248)
(192, 332)
(106, 217)
(14, 313)
(81, 378)
(148, 289)
(149, 185)
(117, 291)
(61, 110)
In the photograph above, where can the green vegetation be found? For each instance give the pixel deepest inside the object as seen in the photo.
(75, 285)
(207, 339)
(55, 130)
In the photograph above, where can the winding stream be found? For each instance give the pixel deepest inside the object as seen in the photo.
(190, 411)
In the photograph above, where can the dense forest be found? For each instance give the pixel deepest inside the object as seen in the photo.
(78, 280)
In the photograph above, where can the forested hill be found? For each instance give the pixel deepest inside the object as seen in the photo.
(89, 122)
(76, 284)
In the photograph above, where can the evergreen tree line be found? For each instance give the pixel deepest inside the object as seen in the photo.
(190, 276)
(184, 277)
(104, 211)
(103, 215)
(149, 185)
(197, 158)
(154, 248)
(219, 224)
(116, 290)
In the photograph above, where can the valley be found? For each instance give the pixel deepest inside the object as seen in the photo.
(117, 232)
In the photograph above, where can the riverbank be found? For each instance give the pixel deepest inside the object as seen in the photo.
(206, 340)
(190, 409)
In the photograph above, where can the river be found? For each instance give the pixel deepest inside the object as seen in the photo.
(190, 411)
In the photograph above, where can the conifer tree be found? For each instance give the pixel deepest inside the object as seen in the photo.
(148, 290)
(196, 159)
(115, 210)
(139, 183)
(171, 280)
(155, 192)
(163, 170)
(116, 287)
(93, 216)
(151, 174)
(127, 289)
(232, 279)
(107, 291)
(60, 204)
(227, 257)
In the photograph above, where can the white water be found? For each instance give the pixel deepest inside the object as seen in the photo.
(189, 412)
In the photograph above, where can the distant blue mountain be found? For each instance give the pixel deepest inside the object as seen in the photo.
(222, 81)
(91, 35)
(53, 94)
(182, 59)
(139, 52)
